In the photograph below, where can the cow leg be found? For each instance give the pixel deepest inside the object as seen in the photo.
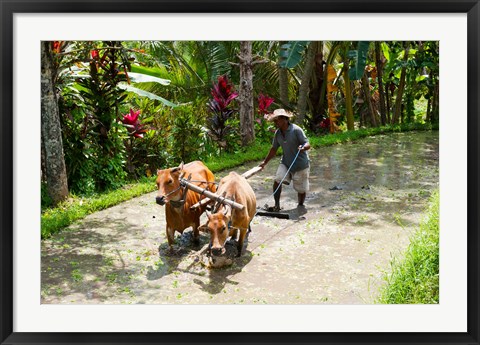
(196, 233)
(233, 233)
(170, 236)
(243, 232)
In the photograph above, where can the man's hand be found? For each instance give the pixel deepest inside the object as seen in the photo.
(304, 147)
(262, 165)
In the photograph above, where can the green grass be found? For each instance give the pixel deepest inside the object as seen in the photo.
(348, 136)
(415, 278)
(76, 208)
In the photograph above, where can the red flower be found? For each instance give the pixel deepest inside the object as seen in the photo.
(263, 103)
(94, 54)
(132, 123)
(57, 46)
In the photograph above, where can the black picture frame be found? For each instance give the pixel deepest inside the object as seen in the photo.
(10, 7)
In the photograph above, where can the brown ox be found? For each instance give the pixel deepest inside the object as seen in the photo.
(226, 222)
(178, 199)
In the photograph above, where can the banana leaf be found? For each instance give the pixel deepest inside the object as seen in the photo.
(291, 53)
(144, 78)
(386, 51)
(144, 93)
(151, 71)
(359, 57)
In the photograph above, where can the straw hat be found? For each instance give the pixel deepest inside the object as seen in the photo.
(279, 112)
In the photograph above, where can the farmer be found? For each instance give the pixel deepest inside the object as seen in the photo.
(293, 141)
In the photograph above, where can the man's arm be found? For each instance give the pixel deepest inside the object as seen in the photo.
(271, 154)
(302, 138)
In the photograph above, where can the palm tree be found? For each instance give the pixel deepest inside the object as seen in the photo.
(52, 145)
(401, 86)
(381, 88)
(305, 83)
(247, 130)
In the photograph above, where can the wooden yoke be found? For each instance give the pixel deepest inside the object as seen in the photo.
(210, 195)
(208, 200)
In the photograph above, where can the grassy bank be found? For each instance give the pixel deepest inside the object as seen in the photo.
(415, 278)
(75, 208)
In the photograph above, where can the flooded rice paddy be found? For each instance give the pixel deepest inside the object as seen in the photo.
(366, 199)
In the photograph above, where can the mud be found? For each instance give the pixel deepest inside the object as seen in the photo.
(366, 199)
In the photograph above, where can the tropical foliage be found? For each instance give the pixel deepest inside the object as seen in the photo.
(129, 108)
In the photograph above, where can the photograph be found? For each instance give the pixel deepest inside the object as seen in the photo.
(240, 172)
(307, 170)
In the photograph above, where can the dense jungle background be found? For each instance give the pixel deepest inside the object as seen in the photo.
(113, 112)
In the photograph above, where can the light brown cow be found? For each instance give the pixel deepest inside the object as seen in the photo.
(227, 222)
(178, 199)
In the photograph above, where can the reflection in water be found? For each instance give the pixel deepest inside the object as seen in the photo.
(391, 161)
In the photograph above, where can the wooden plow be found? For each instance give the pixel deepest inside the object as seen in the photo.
(221, 199)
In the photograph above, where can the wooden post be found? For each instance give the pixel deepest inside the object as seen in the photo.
(251, 172)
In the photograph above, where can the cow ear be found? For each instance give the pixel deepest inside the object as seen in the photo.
(203, 228)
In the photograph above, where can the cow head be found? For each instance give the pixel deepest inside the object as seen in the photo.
(168, 185)
(219, 231)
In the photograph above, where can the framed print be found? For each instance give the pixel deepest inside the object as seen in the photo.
(37, 310)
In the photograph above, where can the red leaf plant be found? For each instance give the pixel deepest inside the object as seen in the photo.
(264, 102)
(57, 46)
(325, 123)
(94, 54)
(223, 93)
(221, 109)
(133, 124)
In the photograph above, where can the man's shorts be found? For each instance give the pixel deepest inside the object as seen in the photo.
(300, 178)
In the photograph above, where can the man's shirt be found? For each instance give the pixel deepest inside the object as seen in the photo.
(293, 138)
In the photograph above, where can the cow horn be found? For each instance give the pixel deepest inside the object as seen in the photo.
(226, 211)
(209, 215)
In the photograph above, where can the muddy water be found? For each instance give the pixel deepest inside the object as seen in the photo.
(366, 199)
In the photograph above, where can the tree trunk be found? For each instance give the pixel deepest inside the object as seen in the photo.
(283, 83)
(429, 112)
(348, 94)
(316, 87)
(305, 85)
(435, 104)
(245, 96)
(56, 175)
(323, 104)
(381, 89)
(387, 93)
(401, 88)
(368, 99)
